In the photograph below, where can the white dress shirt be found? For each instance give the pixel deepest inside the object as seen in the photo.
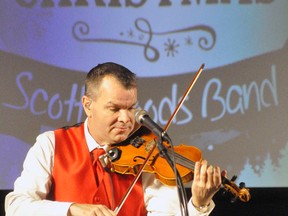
(33, 186)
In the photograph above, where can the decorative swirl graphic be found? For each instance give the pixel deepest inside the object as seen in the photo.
(81, 32)
(150, 33)
(81, 28)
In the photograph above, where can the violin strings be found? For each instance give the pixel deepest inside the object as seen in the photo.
(180, 159)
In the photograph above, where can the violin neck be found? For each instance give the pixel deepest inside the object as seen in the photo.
(181, 160)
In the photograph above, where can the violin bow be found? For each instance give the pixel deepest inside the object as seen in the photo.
(192, 83)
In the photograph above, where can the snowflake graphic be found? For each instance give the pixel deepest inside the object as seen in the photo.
(171, 47)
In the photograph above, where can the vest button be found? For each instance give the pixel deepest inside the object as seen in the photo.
(97, 199)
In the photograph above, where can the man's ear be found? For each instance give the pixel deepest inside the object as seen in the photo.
(86, 103)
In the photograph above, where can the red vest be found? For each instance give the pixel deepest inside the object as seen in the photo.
(73, 176)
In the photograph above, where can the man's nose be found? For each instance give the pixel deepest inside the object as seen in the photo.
(124, 116)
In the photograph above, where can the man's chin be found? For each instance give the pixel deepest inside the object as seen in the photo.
(121, 137)
(121, 134)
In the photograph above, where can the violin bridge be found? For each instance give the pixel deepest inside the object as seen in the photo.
(149, 147)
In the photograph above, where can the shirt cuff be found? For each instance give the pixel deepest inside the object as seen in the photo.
(59, 208)
(193, 211)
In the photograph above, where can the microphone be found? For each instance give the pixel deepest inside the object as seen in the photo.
(142, 117)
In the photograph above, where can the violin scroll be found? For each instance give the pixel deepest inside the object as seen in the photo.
(240, 192)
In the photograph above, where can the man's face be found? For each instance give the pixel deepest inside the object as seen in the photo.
(111, 112)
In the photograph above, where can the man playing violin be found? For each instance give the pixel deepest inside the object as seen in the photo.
(62, 176)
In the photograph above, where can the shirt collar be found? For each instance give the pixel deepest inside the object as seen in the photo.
(92, 144)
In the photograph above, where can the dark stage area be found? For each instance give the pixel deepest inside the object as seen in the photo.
(264, 202)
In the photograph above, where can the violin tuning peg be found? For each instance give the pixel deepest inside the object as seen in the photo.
(233, 179)
(242, 185)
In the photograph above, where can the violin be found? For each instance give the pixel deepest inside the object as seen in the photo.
(129, 156)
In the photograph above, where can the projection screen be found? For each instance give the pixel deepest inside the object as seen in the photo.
(236, 113)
